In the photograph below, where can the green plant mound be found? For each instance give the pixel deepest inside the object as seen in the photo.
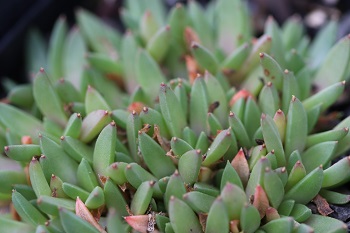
(186, 123)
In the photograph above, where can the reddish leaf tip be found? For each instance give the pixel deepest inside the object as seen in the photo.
(261, 55)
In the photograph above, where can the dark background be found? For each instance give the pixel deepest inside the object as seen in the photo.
(17, 16)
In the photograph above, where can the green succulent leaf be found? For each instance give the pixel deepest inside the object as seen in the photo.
(26, 210)
(182, 217)
(155, 157)
(325, 224)
(307, 188)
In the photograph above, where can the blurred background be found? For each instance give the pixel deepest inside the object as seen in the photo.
(17, 16)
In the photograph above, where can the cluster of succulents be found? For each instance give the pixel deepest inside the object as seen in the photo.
(186, 123)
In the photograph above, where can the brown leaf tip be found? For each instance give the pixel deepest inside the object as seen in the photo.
(78, 115)
(62, 138)
(231, 114)
(283, 170)
(152, 183)
(194, 45)
(269, 84)
(198, 152)
(178, 5)
(343, 82)
(40, 200)
(112, 124)
(6, 148)
(42, 70)
(294, 98)
(185, 196)
(286, 71)
(261, 55)
(145, 109)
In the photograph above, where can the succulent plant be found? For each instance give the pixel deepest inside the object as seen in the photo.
(107, 138)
